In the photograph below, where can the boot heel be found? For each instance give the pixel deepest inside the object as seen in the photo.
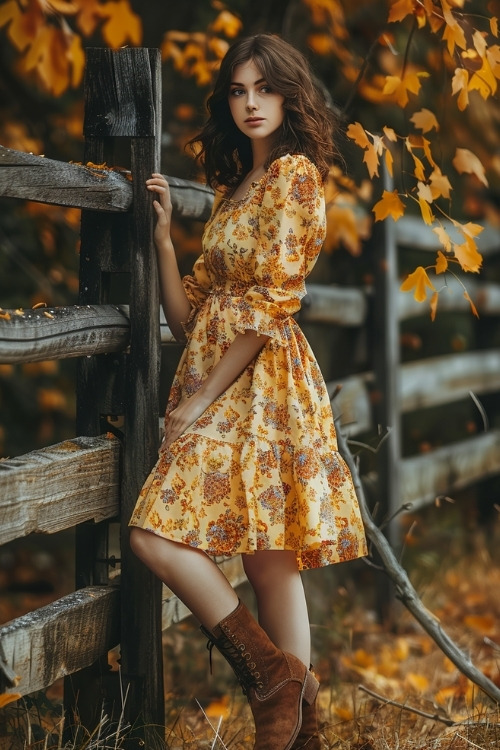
(311, 687)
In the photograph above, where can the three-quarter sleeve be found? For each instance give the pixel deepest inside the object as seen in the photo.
(290, 230)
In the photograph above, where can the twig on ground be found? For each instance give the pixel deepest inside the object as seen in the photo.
(435, 717)
(405, 591)
(215, 731)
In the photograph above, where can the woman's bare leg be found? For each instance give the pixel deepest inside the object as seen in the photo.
(189, 573)
(281, 601)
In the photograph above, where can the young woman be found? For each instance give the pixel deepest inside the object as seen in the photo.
(249, 463)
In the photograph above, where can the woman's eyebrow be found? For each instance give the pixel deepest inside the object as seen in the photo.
(261, 80)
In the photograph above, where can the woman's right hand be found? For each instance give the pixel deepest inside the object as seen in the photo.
(163, 207)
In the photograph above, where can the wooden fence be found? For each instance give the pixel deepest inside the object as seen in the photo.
(95, 478)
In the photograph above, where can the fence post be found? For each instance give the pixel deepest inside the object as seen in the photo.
(117, 264)
(386, 363)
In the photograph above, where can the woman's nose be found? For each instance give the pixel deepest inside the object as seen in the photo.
(251, 103)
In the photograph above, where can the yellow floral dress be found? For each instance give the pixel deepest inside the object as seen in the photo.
(259, 470)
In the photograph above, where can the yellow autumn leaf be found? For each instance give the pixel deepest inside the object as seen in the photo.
(439, 184)
(400, 10)
(460, 86)
(441, 261)
(466, 161)
(226, 23)
(424, 192)
(472, 305)
(425, 120)
(346, 714)
(493, 55)
(484, 80)
(468, 256)
(122, 25)
(494, 26)
(418, 282)
(357, 133)
(389, 205)
(398, 88)
(453, 33)
(389, 161)
(426, 211)
(390, 134)
(433, 305)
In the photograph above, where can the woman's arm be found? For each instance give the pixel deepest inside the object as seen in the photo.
(243, 349)
(174, 301)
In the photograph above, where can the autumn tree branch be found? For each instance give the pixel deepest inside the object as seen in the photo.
(405, 591)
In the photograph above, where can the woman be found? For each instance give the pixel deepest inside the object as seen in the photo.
(249, 463)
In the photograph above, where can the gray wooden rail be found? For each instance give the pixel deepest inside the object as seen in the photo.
(94, 478)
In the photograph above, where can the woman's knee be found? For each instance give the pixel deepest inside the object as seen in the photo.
(269, 568)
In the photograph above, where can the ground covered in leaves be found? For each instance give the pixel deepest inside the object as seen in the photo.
(384, 685)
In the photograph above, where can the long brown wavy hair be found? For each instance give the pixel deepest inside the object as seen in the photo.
(309, 126)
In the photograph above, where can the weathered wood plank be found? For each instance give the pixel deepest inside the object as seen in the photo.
(58, 487)
(422, 384)
(450, 468)
(442, 380)
(59, 639)
(64, 332)
(36, 178)
(334, 305)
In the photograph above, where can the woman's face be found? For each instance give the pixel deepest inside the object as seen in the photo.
(257, 110)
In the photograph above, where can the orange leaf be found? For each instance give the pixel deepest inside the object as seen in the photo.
(434, 304)
(468, 256)
(494, 26)
(400, 10)
(444, 238)
(425, 120)
(453, 33)
(465, 161)
(426, 212)
(357, 133)
(390, 134)
(484, 80)
(226, 23)
(389, 161)
(398, 88)
(424, 192)
(389, 205)
(460, 85)
(440, 184)
(419, 282)
(493, 56)
(77, 57)
(472, 305)
(122, 25)
(442, 261)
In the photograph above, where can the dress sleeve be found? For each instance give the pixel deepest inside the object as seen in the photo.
(291, 230)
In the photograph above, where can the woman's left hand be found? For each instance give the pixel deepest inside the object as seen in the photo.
(180, 418)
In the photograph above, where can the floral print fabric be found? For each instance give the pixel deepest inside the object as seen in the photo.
(259, 469)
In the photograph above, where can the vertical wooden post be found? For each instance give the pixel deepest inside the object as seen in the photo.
(385, 343)
(123, 101)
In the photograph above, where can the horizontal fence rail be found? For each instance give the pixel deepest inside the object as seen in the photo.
(53, 489)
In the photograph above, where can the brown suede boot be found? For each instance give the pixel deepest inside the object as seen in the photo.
(277, 684)
(308, 737)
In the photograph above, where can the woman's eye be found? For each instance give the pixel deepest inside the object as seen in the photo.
(237, 92)
(266, 89)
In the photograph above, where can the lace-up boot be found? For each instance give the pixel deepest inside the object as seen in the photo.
(276, 683)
